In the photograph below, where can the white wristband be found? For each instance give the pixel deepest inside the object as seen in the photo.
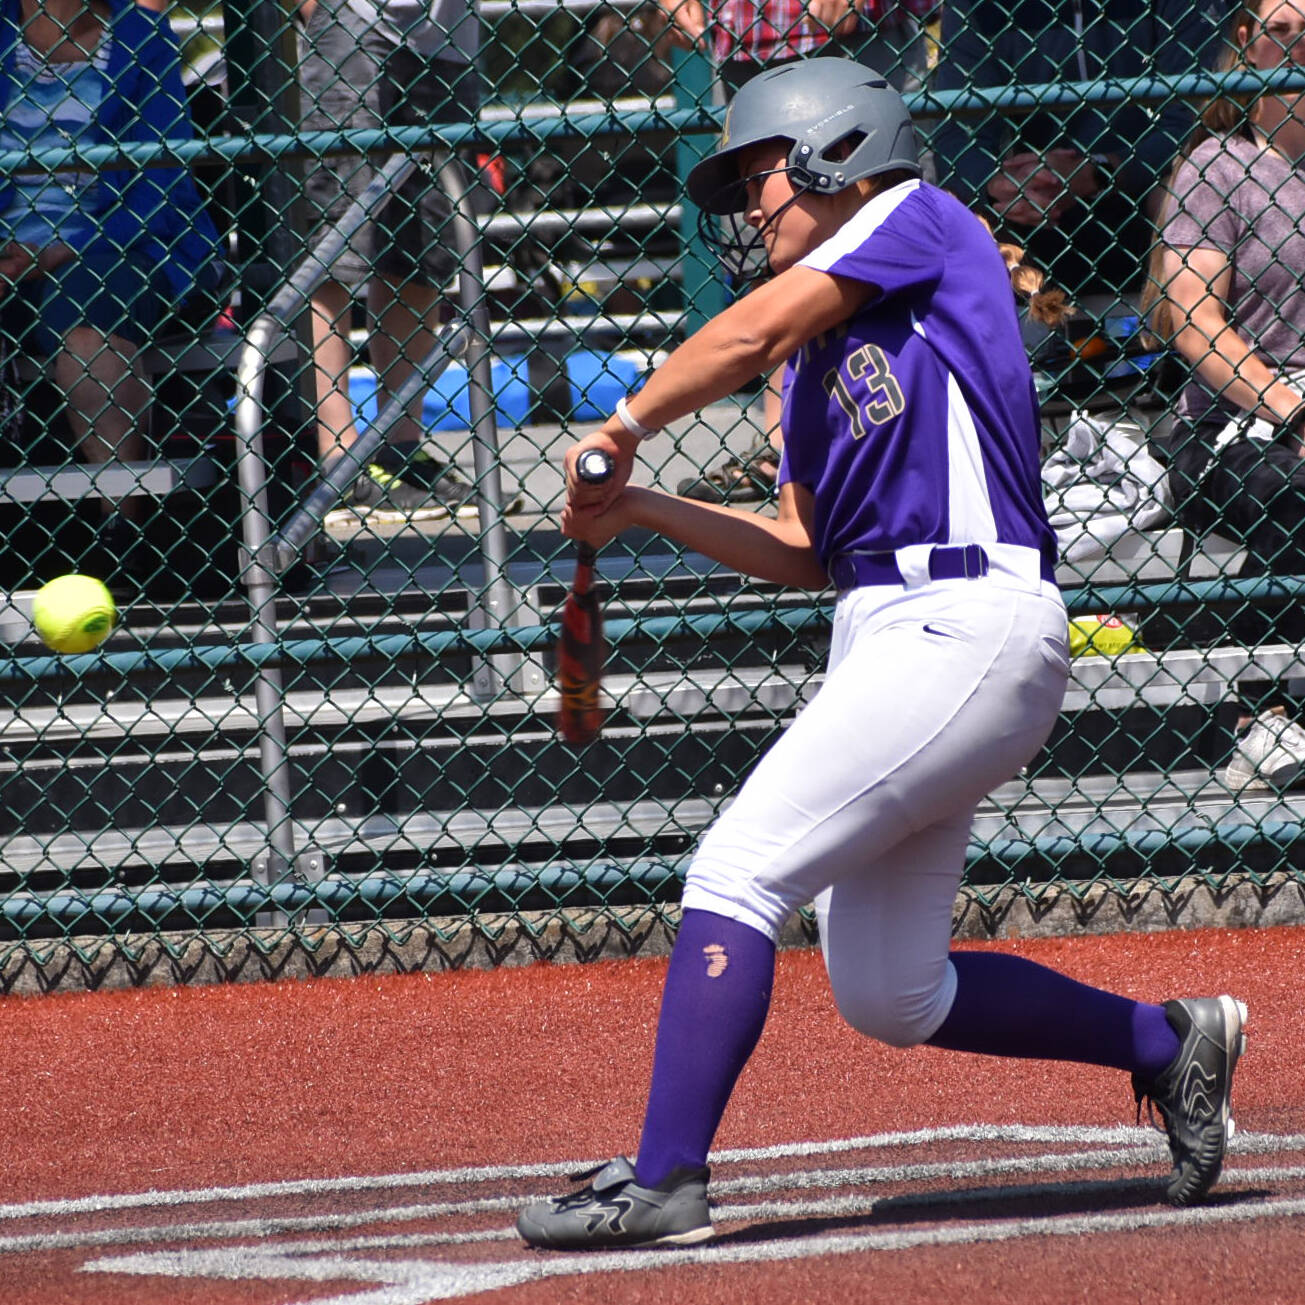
(636, 428)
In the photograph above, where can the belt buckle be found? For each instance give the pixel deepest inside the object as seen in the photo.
(974, 553)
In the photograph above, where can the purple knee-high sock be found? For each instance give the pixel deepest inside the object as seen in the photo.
(714, 1005)
(1007, 1006)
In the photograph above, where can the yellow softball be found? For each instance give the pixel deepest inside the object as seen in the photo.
(74, 613)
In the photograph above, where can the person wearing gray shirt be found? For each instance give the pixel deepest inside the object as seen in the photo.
(1227, 271)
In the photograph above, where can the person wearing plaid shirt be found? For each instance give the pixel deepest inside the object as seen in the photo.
(745, 37)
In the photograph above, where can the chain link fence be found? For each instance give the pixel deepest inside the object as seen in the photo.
(326, 711)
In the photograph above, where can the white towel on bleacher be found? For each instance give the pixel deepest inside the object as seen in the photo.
(1100, 483)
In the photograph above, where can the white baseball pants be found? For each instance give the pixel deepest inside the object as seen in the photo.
(936, 694)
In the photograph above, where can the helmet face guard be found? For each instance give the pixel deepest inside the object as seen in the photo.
(842, 122)
(740, 247)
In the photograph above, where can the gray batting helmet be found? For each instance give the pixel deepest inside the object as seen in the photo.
(817, 104)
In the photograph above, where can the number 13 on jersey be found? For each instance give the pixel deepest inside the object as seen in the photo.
(884, 399)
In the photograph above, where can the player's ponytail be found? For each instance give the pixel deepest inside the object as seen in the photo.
(1048, 307)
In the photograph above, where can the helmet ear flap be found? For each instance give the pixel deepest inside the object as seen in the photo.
(904, 142)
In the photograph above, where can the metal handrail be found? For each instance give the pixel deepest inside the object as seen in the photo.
(268, 556)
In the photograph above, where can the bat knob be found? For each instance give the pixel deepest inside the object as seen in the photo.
(594, 466)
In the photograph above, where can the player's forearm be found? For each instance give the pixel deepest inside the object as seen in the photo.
(778, 551)
(749, 339)
(712, 364)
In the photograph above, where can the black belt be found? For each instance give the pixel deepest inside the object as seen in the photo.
(946, 562)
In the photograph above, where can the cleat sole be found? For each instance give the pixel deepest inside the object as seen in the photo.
(690, 1238)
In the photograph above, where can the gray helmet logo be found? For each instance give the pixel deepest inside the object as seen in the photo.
(816, 105)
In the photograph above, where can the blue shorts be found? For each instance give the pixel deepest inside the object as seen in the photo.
(119, 292)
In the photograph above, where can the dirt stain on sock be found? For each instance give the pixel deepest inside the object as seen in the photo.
(717, 960)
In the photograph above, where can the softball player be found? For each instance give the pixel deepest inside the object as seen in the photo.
(910, 482)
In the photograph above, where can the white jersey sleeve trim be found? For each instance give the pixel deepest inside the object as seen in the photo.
(859, 227)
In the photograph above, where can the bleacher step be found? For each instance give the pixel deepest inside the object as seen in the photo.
(113, 480)
(1167, 804)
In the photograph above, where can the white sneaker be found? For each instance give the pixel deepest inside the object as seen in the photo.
(1270, 755)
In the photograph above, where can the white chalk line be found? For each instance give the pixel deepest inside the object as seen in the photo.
(1014, 1134)
(833, 1206)
(419, 1282)
(989, 1133)
(272, 1226)
(270, 1247)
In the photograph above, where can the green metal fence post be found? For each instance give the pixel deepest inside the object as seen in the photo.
(704, 295)
(262, 55)
(262, 60)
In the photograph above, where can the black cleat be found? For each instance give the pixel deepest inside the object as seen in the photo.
(613, 1210)
(1193, 1093)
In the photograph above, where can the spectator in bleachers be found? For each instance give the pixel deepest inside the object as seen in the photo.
(368, 65)
(1071, 183)
(620, 54)
(93, 264)
(746, 37)
(614, 56)
(1227, 272)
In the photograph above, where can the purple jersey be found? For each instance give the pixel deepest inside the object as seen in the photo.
(916, 421)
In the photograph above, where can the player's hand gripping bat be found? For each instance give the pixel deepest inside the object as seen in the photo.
(580, 651)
